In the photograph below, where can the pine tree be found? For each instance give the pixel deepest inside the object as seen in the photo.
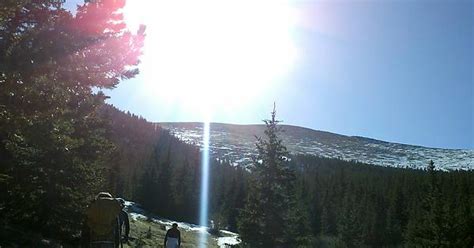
(349, 227)
(267, 219)
(430, 227)
(164, 188)
(328, 225)
(54, 147)
(396, 217)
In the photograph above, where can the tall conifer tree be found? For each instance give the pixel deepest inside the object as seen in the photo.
(53, 145)
(268, 218)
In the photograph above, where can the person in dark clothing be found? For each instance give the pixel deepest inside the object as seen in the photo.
(101, 223)
(173, 237)
(124, 223)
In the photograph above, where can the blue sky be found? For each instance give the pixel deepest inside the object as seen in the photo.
(399, 71)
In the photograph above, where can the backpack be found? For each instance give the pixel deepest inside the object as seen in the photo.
(102, 218)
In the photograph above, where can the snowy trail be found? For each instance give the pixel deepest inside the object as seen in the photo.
(136, 212)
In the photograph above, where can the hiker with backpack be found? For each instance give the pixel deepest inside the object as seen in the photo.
(124, 222)
(102, 222)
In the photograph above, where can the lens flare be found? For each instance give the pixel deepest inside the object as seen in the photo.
(230, 52)
(203, 213)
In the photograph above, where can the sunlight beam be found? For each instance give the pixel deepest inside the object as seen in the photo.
(203, 213)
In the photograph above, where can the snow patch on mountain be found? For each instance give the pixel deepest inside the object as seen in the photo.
(236, 144)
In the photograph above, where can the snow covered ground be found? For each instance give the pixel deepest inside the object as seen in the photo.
(231, 239)
(136, 212)
(236, 143)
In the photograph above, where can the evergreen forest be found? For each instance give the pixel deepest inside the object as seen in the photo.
(60, 144)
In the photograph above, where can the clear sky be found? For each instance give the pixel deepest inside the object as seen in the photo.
(399, 71)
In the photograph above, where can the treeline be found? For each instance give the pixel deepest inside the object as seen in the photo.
(133, 139)
(152, 167)
(170, 183)
(343, 203)
(368, 206)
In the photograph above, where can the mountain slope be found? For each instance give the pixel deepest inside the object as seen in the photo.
(235, 143)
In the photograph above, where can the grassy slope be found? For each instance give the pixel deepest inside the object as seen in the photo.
(140, 236)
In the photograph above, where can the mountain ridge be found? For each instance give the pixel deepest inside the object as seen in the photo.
(235, 142)
(315, 130)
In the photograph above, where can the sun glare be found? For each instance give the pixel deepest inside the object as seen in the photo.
(212, 54)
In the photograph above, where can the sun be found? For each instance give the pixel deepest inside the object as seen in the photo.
(218, 55)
